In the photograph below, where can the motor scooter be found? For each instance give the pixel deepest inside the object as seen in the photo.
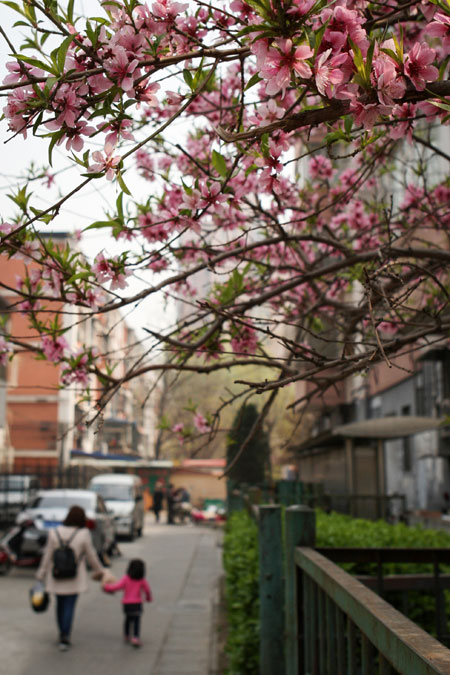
(22, 546)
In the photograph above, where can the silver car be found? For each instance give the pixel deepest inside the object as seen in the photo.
(50, 507)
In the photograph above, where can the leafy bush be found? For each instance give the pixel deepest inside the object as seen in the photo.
(241, 589)
(336, 529)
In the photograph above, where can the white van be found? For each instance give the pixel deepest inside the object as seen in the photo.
(123, 496)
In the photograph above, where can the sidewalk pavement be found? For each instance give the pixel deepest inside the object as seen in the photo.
(184, 568)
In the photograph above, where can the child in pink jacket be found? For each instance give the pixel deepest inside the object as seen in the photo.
(135, 589)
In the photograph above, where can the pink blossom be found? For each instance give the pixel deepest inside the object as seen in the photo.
(119, 279)
(78, 375)
(385, 76)
(440, 28)
(280, 63)
(320, 167)
(328, 71)
(54, 348)
(66, 103)
(210, 195)
(145, 92)
(405, 114)
(367, 113)
(6, 349)
(267, 113)
(201, 424)
(101, 268)
(28, 249)
(158, 263)
(6, 228)
(301, 7)
(417, 65)
(244, 340)
(72, 135)
(106, 163)
(173, 98)
(260, 49)
(178, 428)
(49, 178)
(343, 24)
(413, 197)
(120, 69)
(117, 129)
(388, 327)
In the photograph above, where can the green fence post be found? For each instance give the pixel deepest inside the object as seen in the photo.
(300, 530)
(299, 492)
(286, 492)
(271, 591)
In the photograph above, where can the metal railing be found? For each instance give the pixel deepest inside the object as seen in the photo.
(316, 619)
(347, 629)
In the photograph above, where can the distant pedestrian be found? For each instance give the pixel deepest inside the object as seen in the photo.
(72, 532)
(171, 499)
(158, 496)
(135, 588)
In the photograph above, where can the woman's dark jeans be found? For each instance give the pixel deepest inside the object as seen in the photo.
(65, 608)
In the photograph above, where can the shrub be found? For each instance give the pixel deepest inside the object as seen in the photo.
(241, 594)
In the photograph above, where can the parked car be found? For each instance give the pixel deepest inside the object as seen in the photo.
(15, 492)
(123, 495)
(50, 507)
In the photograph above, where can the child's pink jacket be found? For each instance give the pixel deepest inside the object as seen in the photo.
(133, 589)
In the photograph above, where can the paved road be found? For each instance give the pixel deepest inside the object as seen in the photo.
(183, 568)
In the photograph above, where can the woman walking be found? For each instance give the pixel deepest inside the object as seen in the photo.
(73, 534)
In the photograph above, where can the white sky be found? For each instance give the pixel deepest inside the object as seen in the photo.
(82, 209)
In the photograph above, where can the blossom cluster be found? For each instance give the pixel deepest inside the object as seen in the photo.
(254, 192)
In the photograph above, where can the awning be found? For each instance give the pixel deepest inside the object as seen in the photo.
(388, 427)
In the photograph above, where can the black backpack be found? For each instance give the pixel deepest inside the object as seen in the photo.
(64, 560)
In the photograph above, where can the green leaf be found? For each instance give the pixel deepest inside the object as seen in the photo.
(13, 5)
(187, 75)
(319, 36)
(70, 11)
(122, 184)
(348, 123)
(119, 205)
(334, 136)
(36, 62)
(252, 81)
(53, 142)
(369, 58)
(265, 144)
(62, 52)
(392, 54)
(219, 164)
(439, 104)
(99, 224)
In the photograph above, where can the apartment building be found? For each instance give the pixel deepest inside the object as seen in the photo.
(45, 423)
(379, 444)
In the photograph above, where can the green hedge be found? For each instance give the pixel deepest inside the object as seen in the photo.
(334, 529)
(241, 589)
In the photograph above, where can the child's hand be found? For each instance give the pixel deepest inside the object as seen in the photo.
(108, 578)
